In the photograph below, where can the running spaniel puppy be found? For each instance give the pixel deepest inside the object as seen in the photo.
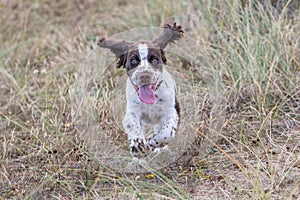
(150, 89)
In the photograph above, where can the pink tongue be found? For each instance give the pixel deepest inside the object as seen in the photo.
(146, 94)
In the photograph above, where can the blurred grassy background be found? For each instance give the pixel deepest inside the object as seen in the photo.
(250, 47)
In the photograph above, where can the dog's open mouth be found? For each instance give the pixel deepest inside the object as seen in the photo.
(146, 93)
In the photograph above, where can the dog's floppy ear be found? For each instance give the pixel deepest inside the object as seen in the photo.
(168, 35)
(163, 57)
(122, 60)
(118, 47)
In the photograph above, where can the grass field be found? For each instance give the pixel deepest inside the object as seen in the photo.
(245, 67)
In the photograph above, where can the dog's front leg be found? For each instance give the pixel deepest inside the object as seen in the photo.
(135, 133)
(166, 133)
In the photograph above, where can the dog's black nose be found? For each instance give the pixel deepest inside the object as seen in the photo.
(145, 78)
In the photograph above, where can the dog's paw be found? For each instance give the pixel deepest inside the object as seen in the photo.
(138, 145)
(155, 142)
(161, 149)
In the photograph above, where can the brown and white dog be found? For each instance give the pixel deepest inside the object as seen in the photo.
(150, 89)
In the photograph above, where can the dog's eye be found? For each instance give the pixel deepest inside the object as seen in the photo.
(134, 61)
(154, 60)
